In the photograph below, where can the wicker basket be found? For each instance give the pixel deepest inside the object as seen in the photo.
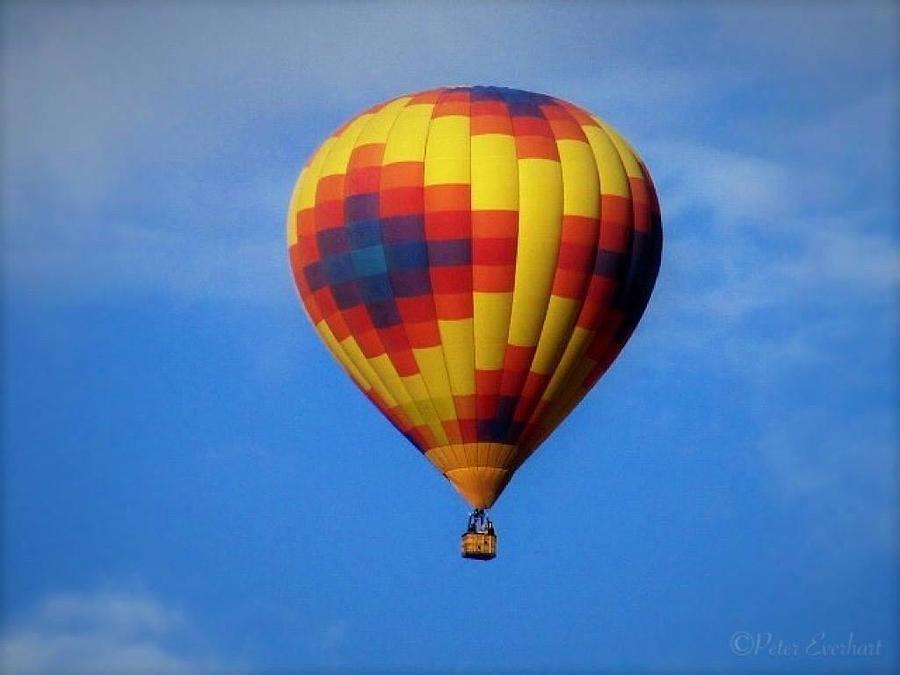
(479, 545)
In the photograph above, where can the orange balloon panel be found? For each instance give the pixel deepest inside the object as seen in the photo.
(475, 258)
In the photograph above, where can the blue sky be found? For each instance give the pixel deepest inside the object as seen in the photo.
(190, 483)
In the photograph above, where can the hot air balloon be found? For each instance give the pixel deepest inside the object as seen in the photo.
(475, 258)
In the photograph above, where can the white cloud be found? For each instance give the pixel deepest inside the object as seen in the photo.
(729, 187)
(808, 36)
(845, 255)
(334, 635)
(782, 270)
(107, 260)
(91, 91)
(106, 632)
(110, 113)
(824, 264)
(840, 476)
(97, 97)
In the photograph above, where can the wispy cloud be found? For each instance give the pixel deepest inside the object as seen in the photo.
(128, 150)
(114, 632)
(782, 269)
(106, 260)
(840, 476)
(727, 187)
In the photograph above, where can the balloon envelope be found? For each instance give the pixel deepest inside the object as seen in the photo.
(475, 258)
